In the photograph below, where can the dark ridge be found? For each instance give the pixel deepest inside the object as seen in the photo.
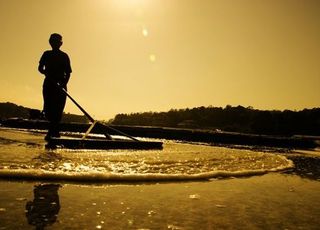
(190, 135)
(10, 110)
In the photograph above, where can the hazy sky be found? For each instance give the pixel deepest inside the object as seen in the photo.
(154, 55)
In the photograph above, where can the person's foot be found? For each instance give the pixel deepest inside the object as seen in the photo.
(51, 135)
(48, 137)
(50, 146)
(56, 135)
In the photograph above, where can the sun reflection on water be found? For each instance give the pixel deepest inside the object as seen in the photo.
(176, 160)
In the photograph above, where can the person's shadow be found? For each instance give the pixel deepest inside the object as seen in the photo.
(44, 208)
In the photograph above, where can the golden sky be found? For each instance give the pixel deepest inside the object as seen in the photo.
(154, 55)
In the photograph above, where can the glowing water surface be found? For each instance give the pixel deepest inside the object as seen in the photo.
(22, 155)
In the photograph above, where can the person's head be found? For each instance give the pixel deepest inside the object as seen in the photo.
(55, 41)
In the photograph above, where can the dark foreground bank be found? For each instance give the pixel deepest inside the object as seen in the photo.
(190, 135)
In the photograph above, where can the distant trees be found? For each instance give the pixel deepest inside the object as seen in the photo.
(10, 110)
(234, 119)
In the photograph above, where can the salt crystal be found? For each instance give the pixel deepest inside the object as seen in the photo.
(173, 227)
(194, 196)
(151, 212)
(130, 222)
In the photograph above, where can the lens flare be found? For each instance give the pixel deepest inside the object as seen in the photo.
(152, 57)
(145, 32)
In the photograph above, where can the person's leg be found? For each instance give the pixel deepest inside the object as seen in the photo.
(57, 112)
(49, 96)
(46, 99)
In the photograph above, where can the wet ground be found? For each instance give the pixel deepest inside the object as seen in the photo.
(267, 197)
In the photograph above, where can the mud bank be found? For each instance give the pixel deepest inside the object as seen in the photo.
(190, 135)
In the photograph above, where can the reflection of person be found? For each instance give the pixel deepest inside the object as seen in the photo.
(44, 208)
(55, 65)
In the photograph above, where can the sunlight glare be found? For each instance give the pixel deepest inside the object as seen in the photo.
(152, 57)
(145, 32)
(129, 3)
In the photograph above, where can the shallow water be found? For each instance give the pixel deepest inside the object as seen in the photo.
(271, 201)
(110, 189)
(22, 155)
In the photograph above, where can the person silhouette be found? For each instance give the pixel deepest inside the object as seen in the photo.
(55, 65)
(44, 208)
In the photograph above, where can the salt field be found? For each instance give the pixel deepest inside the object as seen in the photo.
(183, 186)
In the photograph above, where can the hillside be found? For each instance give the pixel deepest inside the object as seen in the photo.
(11, 110)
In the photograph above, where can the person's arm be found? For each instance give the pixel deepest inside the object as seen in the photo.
(66, 78)
(68, 70)
(41, 67)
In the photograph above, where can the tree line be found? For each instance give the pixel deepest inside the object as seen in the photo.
(232, 119)
(11, 110)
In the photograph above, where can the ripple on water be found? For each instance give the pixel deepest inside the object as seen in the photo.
(176, 161)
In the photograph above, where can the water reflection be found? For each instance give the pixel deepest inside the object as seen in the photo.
(48, 156)
(48, 160)
(44, 208)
